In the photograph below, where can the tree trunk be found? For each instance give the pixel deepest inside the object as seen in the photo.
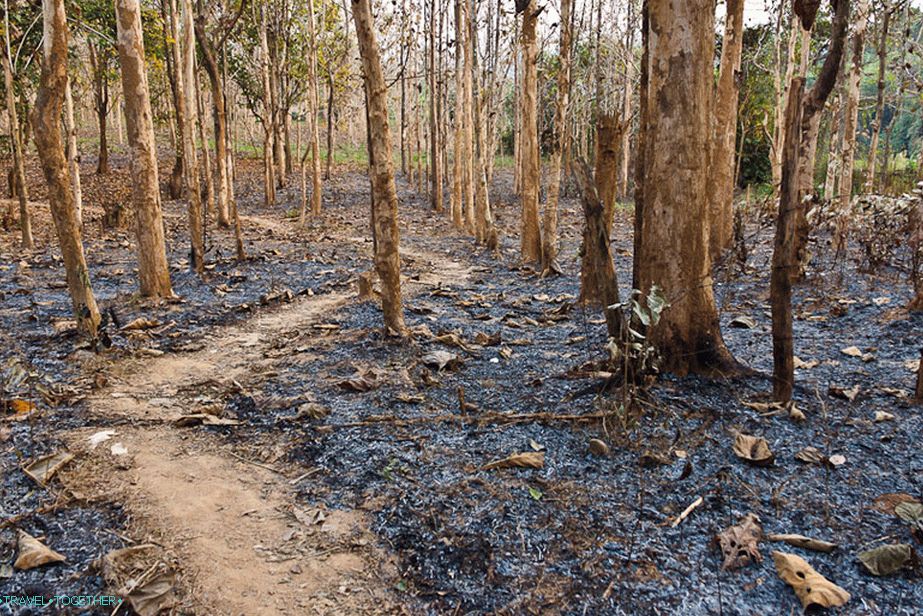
(850, 122)
(46, 120)
(269, 129)
(436, 198)
(187, 120)
(608, 138)
(458, 151)
(153, 270)
(99, 66)
(603, 279)
(800, 135)
(880, 99)
(641, 146)
(381, 171)
(316, 187)
(330, 92)
(72, 153)
(25, 223)
(208, 198)
(674, 246)
(223, 187)
(550, 231)
(836, 135)
(530, 240)
(724, 131)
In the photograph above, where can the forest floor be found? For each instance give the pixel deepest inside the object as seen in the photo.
(272, 452)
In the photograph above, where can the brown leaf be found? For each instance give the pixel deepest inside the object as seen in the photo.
(525, 459)
(887, 502)
(810, 586)
(153, 596)
(44, 468)
(441, 359)
(141, 323)
(753, 449)
(360, 382)
(739, 543)
(844, 393)
(33, 553)
(811, 455)
(886, 559)
(800, 541)
(851, 351)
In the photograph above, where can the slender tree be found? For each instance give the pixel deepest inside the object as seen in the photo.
(153, 269)
(381, 170)
(550, 231)
(46, 121)
(25, 223)
(724, 132)
(530, 234)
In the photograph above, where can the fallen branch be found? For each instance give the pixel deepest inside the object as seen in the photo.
(685, 514)
(800, 541)
(486, 418)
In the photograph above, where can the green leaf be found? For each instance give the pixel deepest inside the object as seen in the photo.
(535, 493)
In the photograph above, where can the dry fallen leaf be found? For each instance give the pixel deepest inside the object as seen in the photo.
(153, 596)
(837, 459)
(810, 586)
(441, 359)
(598, 447)
(886, 559)
(811, 455)
(525, 459)
(44, 468)
(800, 541)
(886, 503)
(739, 543)
(743, 322)
(805, 365)
(753, 449)
(881, 416)
(33, 553)
(843, 392)
(851, 351)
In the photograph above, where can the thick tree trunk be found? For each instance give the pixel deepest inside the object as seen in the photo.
(530, 234)
(25, 223)
(550, 231)
(153, 269)
(484, 222)
(46, 122)
(381, 171)
(641, 146)
(458, 151)
(674, 246)
(724, 131)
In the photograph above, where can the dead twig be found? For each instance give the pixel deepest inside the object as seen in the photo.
(486, 418)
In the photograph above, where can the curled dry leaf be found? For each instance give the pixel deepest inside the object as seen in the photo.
(525, 459)
(740, 543)
(441, 359)
(800, 364)
(912, 513)
(44, 468)
(743, 322)
(852, 351)
(360, 382)
(753, 449)
(800, 541)
(811, 455)
(886, 503)
(33, 553)
(886, 559)
(152, 596)
(844, 392)
(811, 587)
(881, 416)
(598, 447)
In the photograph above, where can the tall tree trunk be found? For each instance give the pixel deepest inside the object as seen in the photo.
(674, 246)
(550, 231)
(46, 122)
(641, 146)
(724, 131)
(608, 137)
(530, 234)
(186, 121)
(99, 66)
(222, 184)
(316, 188)
(330, 125)
(72, 153)
(468, 167)
(269, 128)
(850, 122)
(458, 151)
(25, 223)
(833, 153)
(208, 197)
(880, 98)
(434, 142)
(801, 115)
(381, 171)
(153, 269)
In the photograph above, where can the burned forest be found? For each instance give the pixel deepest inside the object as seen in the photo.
(461, 307)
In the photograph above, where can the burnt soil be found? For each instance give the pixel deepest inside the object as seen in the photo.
(582, 535)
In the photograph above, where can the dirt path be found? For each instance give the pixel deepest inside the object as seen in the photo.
(241, 544)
